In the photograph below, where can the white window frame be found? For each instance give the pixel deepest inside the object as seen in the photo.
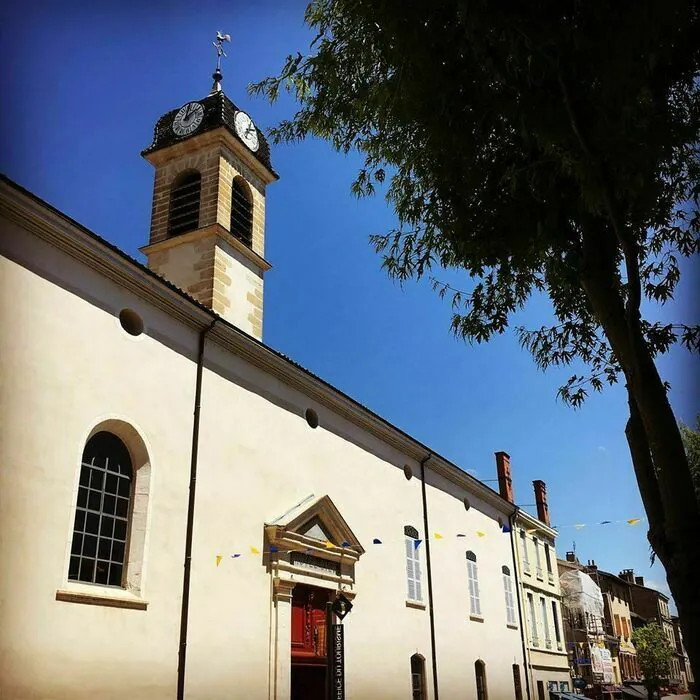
(526, 559)
(543, 610)
(414, 581)
(473, 576)
(538, 559)
(533, 619)
(510, 598)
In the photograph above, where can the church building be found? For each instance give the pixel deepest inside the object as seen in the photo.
(179, 501)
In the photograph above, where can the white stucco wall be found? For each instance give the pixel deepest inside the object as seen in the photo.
(68, 366)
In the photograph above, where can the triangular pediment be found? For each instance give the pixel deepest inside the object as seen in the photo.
(319, 521)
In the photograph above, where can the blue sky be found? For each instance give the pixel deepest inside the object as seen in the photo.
(83, 88)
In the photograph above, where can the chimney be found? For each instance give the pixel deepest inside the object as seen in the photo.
(571, 556)
(627, 575)
(541, 501)
(639, 580)
(505, 484)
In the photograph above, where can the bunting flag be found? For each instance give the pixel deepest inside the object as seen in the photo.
(531, 530)
(235, 556)
(606, 522)
(506, 529)
(254, 550)
(416, 544)
(438, 536)
(346, 544)
(218, 559)
(580, 526)
(329, 544)
(633, 521)
(273, 548)
(459, 534)
(480, 533)
(376, 541)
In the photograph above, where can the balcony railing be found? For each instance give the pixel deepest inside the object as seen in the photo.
(526, 567)
(560, 646)
(538, 572)
(550, 577)
(548, 643)
(535, 642)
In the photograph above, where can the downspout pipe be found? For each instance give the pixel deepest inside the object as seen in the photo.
(182, 653)
(431, 612)
(523, 631)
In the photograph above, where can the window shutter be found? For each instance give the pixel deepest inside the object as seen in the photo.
(410, 579)
(417, 574)
(474, 603)
(510, 604)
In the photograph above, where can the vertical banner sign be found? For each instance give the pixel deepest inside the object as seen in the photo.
(338, 664)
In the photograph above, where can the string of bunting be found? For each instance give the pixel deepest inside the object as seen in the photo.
(438, 536)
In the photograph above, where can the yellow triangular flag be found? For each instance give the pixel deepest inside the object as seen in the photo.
(634, 521)
(329, 544)
(480, 533)
(218, 559)
(578, 527)
(438, 536)
(253, 550)
(531, 530)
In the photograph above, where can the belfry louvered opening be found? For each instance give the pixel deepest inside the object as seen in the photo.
(184, 203)
(241, 212)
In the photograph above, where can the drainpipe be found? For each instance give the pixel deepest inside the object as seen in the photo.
(190, 515)
(523, 631)
(430, 577)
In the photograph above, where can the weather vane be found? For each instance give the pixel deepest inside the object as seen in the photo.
(219, 46)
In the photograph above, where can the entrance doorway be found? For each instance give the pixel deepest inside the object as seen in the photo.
(308, 680)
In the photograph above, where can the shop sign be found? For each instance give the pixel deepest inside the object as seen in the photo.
(338, 663)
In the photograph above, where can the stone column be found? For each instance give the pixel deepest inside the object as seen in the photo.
(282, 641)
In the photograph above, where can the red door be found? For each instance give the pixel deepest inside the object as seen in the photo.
(308, 643)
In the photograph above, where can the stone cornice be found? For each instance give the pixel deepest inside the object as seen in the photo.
(59, 230)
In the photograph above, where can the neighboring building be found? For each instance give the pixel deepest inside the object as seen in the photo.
(617, 600)
(588, 644)
(538, 585)
(125, 387)
(687, 677)
(652, 606)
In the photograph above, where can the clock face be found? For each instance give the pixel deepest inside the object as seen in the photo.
(246, 130)
(188, 119)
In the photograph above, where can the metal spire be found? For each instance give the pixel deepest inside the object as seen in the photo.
(217, 75)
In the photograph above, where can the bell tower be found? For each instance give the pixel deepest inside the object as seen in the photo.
(212, 166)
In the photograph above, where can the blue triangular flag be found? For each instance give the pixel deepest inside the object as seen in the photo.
(345, 544)
(235, 556)
(376, 541)
(416, 544)
(506, 528)
(273, 548)
(606, 522)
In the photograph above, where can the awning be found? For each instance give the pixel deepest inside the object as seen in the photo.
(638, 692)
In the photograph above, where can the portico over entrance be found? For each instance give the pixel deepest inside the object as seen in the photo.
(311, 554)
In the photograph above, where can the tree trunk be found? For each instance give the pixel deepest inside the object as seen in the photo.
(658, 455)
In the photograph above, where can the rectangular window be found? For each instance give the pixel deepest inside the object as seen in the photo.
(523, 545)
(548, 559)
(555, 621)
(510, 601)
(538, 561)
(413, 575)
(625, 628)
(533, 620)
(543, 609)
(517, 683)
(474, 603)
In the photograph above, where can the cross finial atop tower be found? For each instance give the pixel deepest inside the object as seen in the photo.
(219, 46)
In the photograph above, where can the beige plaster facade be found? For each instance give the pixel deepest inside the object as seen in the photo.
(541, 599)
(70, 369)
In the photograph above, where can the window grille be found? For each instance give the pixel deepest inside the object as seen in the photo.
(418, 677)
(241, 212)
(183, 215)
(473, 575)
(481, 688)
(413, 568)
(102, 512)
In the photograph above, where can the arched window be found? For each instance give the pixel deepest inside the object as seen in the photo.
(482, 692)
(102, 512)
(413, 568)
(241, 212)
(183, 215)
(418, 677)
(510, 598)
(473, 574)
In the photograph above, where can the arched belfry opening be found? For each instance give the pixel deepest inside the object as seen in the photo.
(242, 211)
(185, 195)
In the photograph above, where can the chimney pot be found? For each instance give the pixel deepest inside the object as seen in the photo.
(570, 556)
(541, 501)
(505, 483)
